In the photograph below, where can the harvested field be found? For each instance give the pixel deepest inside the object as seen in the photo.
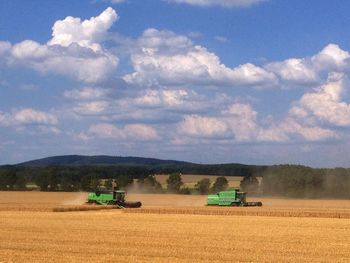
(244, 211)
(171, 228)
(39, 201)
(175, 204)
(113, 236)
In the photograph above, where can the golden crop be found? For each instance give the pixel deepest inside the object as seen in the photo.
(120, 236)
(243, 211)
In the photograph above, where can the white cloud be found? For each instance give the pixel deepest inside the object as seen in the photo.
(295, 71)
(324, 103)
(224, 3)
(27, 116)
(91, 108)
(73, 61)
(239, 124)
(165, 58)
(195, 125)
(238, 121)
(309, 133)
(87, 33)
(135, 132)
(140, 132)
(140, 105)
(241, 119)
(331, 58)
(165, 98)
(87, 93)
(308, 70)
(4, 47)
(74, 50)
(106, 131)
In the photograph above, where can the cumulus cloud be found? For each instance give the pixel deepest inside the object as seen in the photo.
(223, 3)
(331, 58)
(325, 103)
(309, 70)
(74, 50)
(239, 123)
(27, 116)
(136, 132)
(91, 108)
(74, 61)
(165, 98)
(307, 132)
(241, 119)
(295, 71)
(195, 125)
(164, 58)
(88, 33)
(4, 47)
(140, 105)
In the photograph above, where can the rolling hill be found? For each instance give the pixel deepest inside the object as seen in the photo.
(77, 160)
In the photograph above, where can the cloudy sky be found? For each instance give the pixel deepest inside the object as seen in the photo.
(208, 81)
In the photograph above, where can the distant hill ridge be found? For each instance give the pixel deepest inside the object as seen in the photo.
(76, 160)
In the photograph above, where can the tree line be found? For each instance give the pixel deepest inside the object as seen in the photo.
(280, 180)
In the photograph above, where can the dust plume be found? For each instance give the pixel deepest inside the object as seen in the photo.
(79, 199)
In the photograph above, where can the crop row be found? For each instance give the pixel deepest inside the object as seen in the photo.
(243, 212)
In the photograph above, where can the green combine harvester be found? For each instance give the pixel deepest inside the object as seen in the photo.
(230, 198)
(112, 197)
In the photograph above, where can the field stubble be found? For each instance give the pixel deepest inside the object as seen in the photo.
(176, 204)
(171, 235)
(113, 236)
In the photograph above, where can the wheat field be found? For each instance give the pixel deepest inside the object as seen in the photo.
(171, 235)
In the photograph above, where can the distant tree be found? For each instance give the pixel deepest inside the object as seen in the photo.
(123, 181)
(293, 181)
(42, 179)
(90, 182)
(203, 186)
(67, 182)
(185, 191)
(149, 184)
(220, 184)
(108, 183)
(174, 183)
(53, 179)
(8, 178)
(250, 184)
(21, 183)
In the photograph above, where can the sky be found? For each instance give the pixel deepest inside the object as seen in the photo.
(205, 81)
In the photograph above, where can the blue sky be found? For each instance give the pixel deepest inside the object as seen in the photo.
(250, 81)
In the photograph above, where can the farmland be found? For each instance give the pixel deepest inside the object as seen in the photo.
(171, 232)
(190, 180)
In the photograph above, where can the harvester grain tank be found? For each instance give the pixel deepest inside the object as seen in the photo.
(230, 198)
(112, 197)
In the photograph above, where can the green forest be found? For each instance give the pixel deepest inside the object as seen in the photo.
(293, 181)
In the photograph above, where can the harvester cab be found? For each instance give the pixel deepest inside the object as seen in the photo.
(230, 198)
(111, 197)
